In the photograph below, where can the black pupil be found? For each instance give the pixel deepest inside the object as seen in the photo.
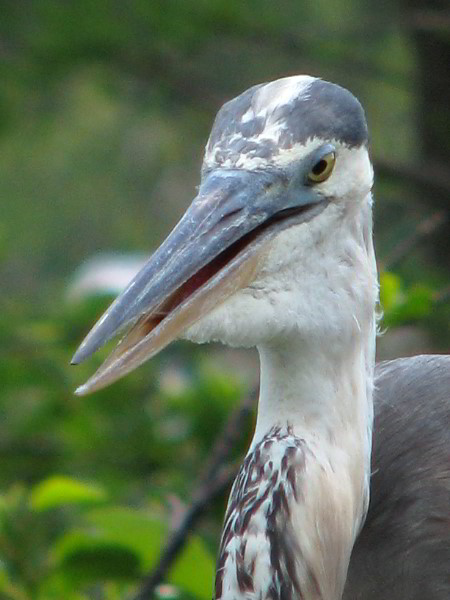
(319, 167)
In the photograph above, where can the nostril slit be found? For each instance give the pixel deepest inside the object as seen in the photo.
(232, 213)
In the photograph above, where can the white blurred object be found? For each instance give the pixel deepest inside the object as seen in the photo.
(104, 274)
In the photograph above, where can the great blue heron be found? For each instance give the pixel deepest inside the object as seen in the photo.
(276, 252)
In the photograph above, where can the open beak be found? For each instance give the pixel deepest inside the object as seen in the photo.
(214, 251)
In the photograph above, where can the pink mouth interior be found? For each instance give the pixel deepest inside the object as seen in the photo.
(203, 275)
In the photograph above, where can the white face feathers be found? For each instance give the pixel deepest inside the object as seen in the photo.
(317, 278)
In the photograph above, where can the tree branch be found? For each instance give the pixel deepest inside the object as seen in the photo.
(214, 480)
(431, 179)
(423, 229)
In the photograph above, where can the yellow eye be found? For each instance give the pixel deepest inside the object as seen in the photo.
(322, 169)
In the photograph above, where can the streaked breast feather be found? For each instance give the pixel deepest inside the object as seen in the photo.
(259, 553)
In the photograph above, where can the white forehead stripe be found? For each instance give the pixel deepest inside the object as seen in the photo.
(277, 93)
(272, 124)
(264, 103)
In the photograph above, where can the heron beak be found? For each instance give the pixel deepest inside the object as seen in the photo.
(214, 251)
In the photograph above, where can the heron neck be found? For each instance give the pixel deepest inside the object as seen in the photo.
(320, 391)
(324, 395)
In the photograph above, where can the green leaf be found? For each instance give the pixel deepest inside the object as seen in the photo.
(59, 490)
(390, 290)
(418, 303)
(83, 556)
(116, 530)
(403, 305)
(195, 559)
(134, 530)
(137, 530)
(58, 585)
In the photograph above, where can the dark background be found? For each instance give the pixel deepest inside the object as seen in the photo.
(105, 107)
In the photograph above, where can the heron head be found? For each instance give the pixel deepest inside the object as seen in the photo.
(277, 240)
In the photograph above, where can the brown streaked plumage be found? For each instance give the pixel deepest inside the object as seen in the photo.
(261, 500)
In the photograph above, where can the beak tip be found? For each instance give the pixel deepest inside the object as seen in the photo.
(82, 390)
(75, 359)
(83, 352)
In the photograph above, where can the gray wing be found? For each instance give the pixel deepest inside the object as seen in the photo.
(403, 551)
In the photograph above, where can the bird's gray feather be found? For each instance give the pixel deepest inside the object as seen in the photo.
(403, 552)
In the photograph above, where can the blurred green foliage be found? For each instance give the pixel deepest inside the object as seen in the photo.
(86, 480)
(104, 110)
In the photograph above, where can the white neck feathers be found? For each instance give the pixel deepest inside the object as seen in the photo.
(302, 493)
(320, 389)
(323, 395)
